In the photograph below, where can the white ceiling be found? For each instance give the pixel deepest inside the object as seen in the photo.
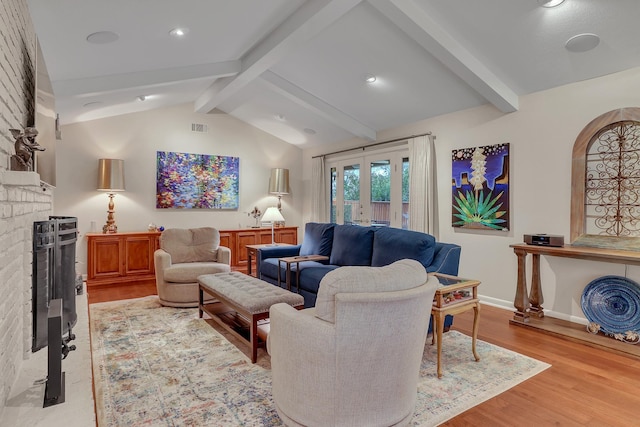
(296, 68)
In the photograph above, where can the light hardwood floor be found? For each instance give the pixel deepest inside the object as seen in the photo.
(583, 387)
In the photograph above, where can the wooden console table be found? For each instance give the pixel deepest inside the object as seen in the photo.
(529, 311)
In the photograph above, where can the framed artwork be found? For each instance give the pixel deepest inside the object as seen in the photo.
(196, 181)
(480, 187)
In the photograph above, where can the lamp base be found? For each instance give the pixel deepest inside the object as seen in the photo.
(110, 226)
(109, 229)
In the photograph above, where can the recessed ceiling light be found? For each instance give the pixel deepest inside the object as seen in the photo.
(281, 117)
(179, 32)
(102, 37)
(309, 131)
(369, 78)
(142, 97)
(550, 3)
(582, 42)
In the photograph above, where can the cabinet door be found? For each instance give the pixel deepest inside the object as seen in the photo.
(287, 235)
(225, 240)
(245, 238)
(139, 254)
(264, 236)
(105, 259)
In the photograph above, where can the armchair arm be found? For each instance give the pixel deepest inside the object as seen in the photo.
(302, 349)
(446, 259)
(224, 255)
(278, 252)
(162, 261)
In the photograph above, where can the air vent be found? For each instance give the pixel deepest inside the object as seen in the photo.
(199, 127)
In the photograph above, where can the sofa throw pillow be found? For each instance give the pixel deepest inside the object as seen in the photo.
(317, 239)
(401, 275)
(191, 244)
(392, 244)
(352, 245)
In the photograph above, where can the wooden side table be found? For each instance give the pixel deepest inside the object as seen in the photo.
(455, 296)
(252, 252)
(296, 260)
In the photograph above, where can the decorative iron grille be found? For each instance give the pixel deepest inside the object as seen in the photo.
(612, 190)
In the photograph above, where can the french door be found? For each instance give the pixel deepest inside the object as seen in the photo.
(371, 189)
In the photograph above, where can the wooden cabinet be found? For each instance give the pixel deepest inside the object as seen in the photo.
(128, 257)
(120, 257)
(237, 241)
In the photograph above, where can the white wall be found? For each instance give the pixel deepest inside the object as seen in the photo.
(541, 134)
(136, 138)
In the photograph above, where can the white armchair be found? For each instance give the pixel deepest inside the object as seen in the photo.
(353, 359)
(184, 255)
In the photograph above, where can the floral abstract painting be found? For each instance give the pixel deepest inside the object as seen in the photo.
(481, 187)
(196, 181)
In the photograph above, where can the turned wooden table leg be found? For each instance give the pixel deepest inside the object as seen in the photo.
(440, 329)
(535, 298)
(476, 317)
(521, 300)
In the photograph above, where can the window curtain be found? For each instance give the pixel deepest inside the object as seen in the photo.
(319, 195)
(423, 209)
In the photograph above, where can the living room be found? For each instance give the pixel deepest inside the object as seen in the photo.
(541, 134)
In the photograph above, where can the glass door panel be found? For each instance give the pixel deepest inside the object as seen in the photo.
(352, 208)
(405, 193)
(380, 192)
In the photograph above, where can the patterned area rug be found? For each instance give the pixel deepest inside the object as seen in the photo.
(161, 366)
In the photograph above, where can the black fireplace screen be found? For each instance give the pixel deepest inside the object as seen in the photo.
(54, 274)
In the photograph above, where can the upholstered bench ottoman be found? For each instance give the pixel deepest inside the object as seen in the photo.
(242, 300)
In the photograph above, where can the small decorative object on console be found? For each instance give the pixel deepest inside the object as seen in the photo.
(256, 214)
(25, 145)
(543, 239)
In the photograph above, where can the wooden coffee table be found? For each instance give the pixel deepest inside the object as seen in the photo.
(296, 260)
(242, 304)
(456, 296)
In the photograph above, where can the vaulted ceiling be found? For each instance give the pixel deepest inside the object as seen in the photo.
(297, 68)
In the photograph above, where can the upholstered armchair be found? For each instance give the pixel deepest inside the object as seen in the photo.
(354, 358)
(184, 255)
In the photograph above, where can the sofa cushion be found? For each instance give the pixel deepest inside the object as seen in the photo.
(401, 275)
(189, 272)
(311, 277)
(191, 245)
(393, 244)
(352, 245)
(317, 239)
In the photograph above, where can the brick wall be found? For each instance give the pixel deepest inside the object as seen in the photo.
(22, 199)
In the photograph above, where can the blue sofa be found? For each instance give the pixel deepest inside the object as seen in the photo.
(355, 245)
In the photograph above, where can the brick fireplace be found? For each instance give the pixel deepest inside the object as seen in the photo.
(22, 199)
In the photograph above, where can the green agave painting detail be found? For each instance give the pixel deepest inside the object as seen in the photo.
(475, 209)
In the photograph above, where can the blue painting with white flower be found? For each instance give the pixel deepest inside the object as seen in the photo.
(480, 187)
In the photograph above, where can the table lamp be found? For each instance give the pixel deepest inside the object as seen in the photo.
(279, 184)
(272, 215)
(110, 179)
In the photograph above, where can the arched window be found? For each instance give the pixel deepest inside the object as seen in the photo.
(605, 181)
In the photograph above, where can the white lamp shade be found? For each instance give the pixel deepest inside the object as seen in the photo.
(272, 215)
(110, 175)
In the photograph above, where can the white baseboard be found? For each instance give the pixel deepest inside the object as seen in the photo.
(508, 305)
